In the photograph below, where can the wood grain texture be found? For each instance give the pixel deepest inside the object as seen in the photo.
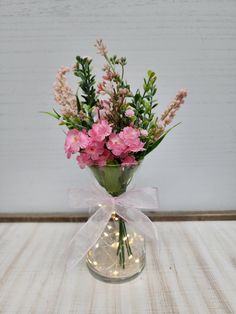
(194, 272)
(154, 216)
(189, 43)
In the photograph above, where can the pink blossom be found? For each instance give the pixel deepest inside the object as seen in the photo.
(116, 144)
(84, 160)
(109, 75)
(129, 113)
(129, 161)
(102, 160)
(101, 47)
(170, 112)
(94, 149)
(100, 130)
(101, 88)
(160, 124)
(105, 88)
(130, 137)
(183, 92)
(129, 134)
(136, 146)
(64, 69)
(63, 93)
(75, 140)
(144, 132)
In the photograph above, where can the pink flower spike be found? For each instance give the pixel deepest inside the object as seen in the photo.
(108, 76)
(129, 113)
(101, 88)
(129, 161)
(144, 132)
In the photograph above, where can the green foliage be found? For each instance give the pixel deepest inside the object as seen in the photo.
(120, 100)
(83, 70)
(69, 122)
(144, 103)
(52, 114)
(151, 147)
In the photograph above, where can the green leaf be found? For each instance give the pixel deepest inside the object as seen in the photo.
(153, 146)
(54, 115)
(150, 73)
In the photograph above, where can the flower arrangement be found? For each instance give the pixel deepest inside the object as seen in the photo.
(108, 123)
(110, 130)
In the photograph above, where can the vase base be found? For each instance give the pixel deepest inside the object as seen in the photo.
(115, 278)
(113, 261)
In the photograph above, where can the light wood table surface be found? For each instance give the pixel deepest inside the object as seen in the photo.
(194, 273)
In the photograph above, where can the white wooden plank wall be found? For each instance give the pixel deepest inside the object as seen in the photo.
(189, 43)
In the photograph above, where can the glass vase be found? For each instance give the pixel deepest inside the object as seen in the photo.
(119, 254)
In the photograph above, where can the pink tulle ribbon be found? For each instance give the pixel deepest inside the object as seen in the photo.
(128, 206)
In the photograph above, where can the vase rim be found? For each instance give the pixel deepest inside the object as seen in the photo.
(117, 165)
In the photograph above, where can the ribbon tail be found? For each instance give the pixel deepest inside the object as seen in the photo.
(88, 235)
(139, 221)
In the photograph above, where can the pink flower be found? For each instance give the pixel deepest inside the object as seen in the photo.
(129, 134)
(101, 88)
(136, 146)
(102, 160)
(84, 160)
(144, 132)
(101, 47)
(129, 161)
(94, 149)
(74, 141)
(63, 93)
(130, 137)
(170, 112)
(129, 113)
(64, 69)
(100, 130)
(116, 144)
(108, 75)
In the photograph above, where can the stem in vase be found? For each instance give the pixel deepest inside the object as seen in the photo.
(123, 242)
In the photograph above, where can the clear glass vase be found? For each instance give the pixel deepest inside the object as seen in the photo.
(119, 254)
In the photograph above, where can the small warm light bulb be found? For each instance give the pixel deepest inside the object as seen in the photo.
(97, 245)
(116, 218)
(109, 227)
(95, 263)
(105, 234)
(131, 241)
(115, 272)
(125, 238)
(117, 233)
(137, 260)
(128, 235)
(131, 256)
(100, 205)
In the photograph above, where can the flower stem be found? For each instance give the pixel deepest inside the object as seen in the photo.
(123, 242)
